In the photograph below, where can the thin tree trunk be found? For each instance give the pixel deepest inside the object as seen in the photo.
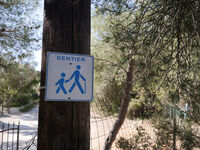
(123, 108)
(174, 130)
(8, 105)
(2, 104)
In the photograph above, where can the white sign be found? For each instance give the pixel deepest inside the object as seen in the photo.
(69, 77)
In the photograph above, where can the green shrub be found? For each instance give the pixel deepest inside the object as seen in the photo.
(20, 100)
(144, 105)
(27, 107)
(26, 95)
(188, 137)
(123, 143)
(185, 134)
(109, 97)
(135, 110)
(164, 132)
(138, 109)
(140, 141)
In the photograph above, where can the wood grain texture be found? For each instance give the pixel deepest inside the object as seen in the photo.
(64, 125)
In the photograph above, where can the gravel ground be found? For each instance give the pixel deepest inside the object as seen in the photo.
(28, 124)
(100, 127)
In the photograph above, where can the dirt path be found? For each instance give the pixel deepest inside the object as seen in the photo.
(28, 124)
(100, 127)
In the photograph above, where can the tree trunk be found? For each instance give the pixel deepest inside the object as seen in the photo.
(174, 130)
(123, 108)
(2, 104)
(8, 105)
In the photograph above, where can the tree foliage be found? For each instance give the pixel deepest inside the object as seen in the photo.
(18, 85)
(19, 38)
(161, 37)
(18, 30)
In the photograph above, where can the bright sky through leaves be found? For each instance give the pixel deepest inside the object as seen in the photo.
(39, 15)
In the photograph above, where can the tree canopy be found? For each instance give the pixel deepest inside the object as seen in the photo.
(18, 30)
(161, 38)
(19, 38)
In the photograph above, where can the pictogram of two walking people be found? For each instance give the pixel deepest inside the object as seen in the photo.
(76, 76)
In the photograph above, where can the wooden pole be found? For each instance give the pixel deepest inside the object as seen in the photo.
(64, 125)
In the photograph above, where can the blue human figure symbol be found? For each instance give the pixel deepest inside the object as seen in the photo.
(77, 75)
(60, 84)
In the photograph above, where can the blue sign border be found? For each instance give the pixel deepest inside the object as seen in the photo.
(69, 100)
